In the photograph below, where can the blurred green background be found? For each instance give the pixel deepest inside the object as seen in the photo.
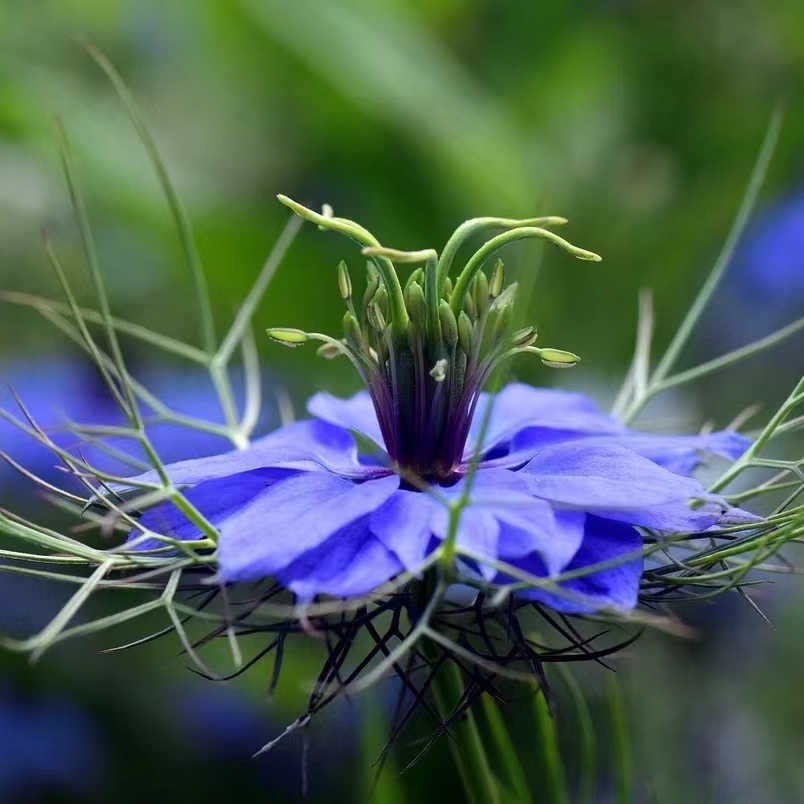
(637, 120)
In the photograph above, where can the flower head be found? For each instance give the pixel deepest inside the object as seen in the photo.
(515, 489)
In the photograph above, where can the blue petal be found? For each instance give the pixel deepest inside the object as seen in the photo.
(524, 420)
(675, 517)
(305, 446)
(616, 586)
(524, 522)
(403, 525)
(680, 454)
(556, 545)
(214, 499)
(520, 406)
(502, 519)
(412, 523)
(356, 413)
(351, 562)
(591, 477)
(291, 518)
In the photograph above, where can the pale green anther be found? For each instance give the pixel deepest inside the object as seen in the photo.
(506, 298)
(502, 323)
(414, 299)
(287, 336)
(344, 281)
(415, 276)
(465, 332)
(372, 285)
(449, 326)
(469, 307)
(481, 291)
(375, 316)
(381, 300)
(329, 351)
(425, 277)
(351, 329)
(524, 337)
(557, 358)
(439, 371)
(497, 282)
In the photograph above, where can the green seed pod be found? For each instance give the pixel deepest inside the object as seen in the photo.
(449, 326)
(466, 332)
(287, 336)
(447, 289)
(344, 281)
(480, 291)
(351, 329)
(558, 358)
(497, 282)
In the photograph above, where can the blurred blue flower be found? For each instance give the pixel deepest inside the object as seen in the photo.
(764, 287)
(559, 486)
(769, 267)
(46, 744)
(61, 390)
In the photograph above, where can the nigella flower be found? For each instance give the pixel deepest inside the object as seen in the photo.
(764, 287)
(60, 392)
(769, 265)
(550, 484)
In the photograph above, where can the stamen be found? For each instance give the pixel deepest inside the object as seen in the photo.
(423, 350)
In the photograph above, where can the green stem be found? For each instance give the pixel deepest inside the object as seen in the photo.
(622, 752)
(555, 783)
(467, 748)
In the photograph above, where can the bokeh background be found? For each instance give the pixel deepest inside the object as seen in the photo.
(639, 120)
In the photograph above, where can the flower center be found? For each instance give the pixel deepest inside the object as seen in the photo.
(426, 350)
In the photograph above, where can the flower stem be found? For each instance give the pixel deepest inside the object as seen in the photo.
(467, 748)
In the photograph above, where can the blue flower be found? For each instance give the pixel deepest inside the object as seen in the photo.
(764, 287)
(556, 485)
(770, 262)
(559, 486)
(61, 390)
